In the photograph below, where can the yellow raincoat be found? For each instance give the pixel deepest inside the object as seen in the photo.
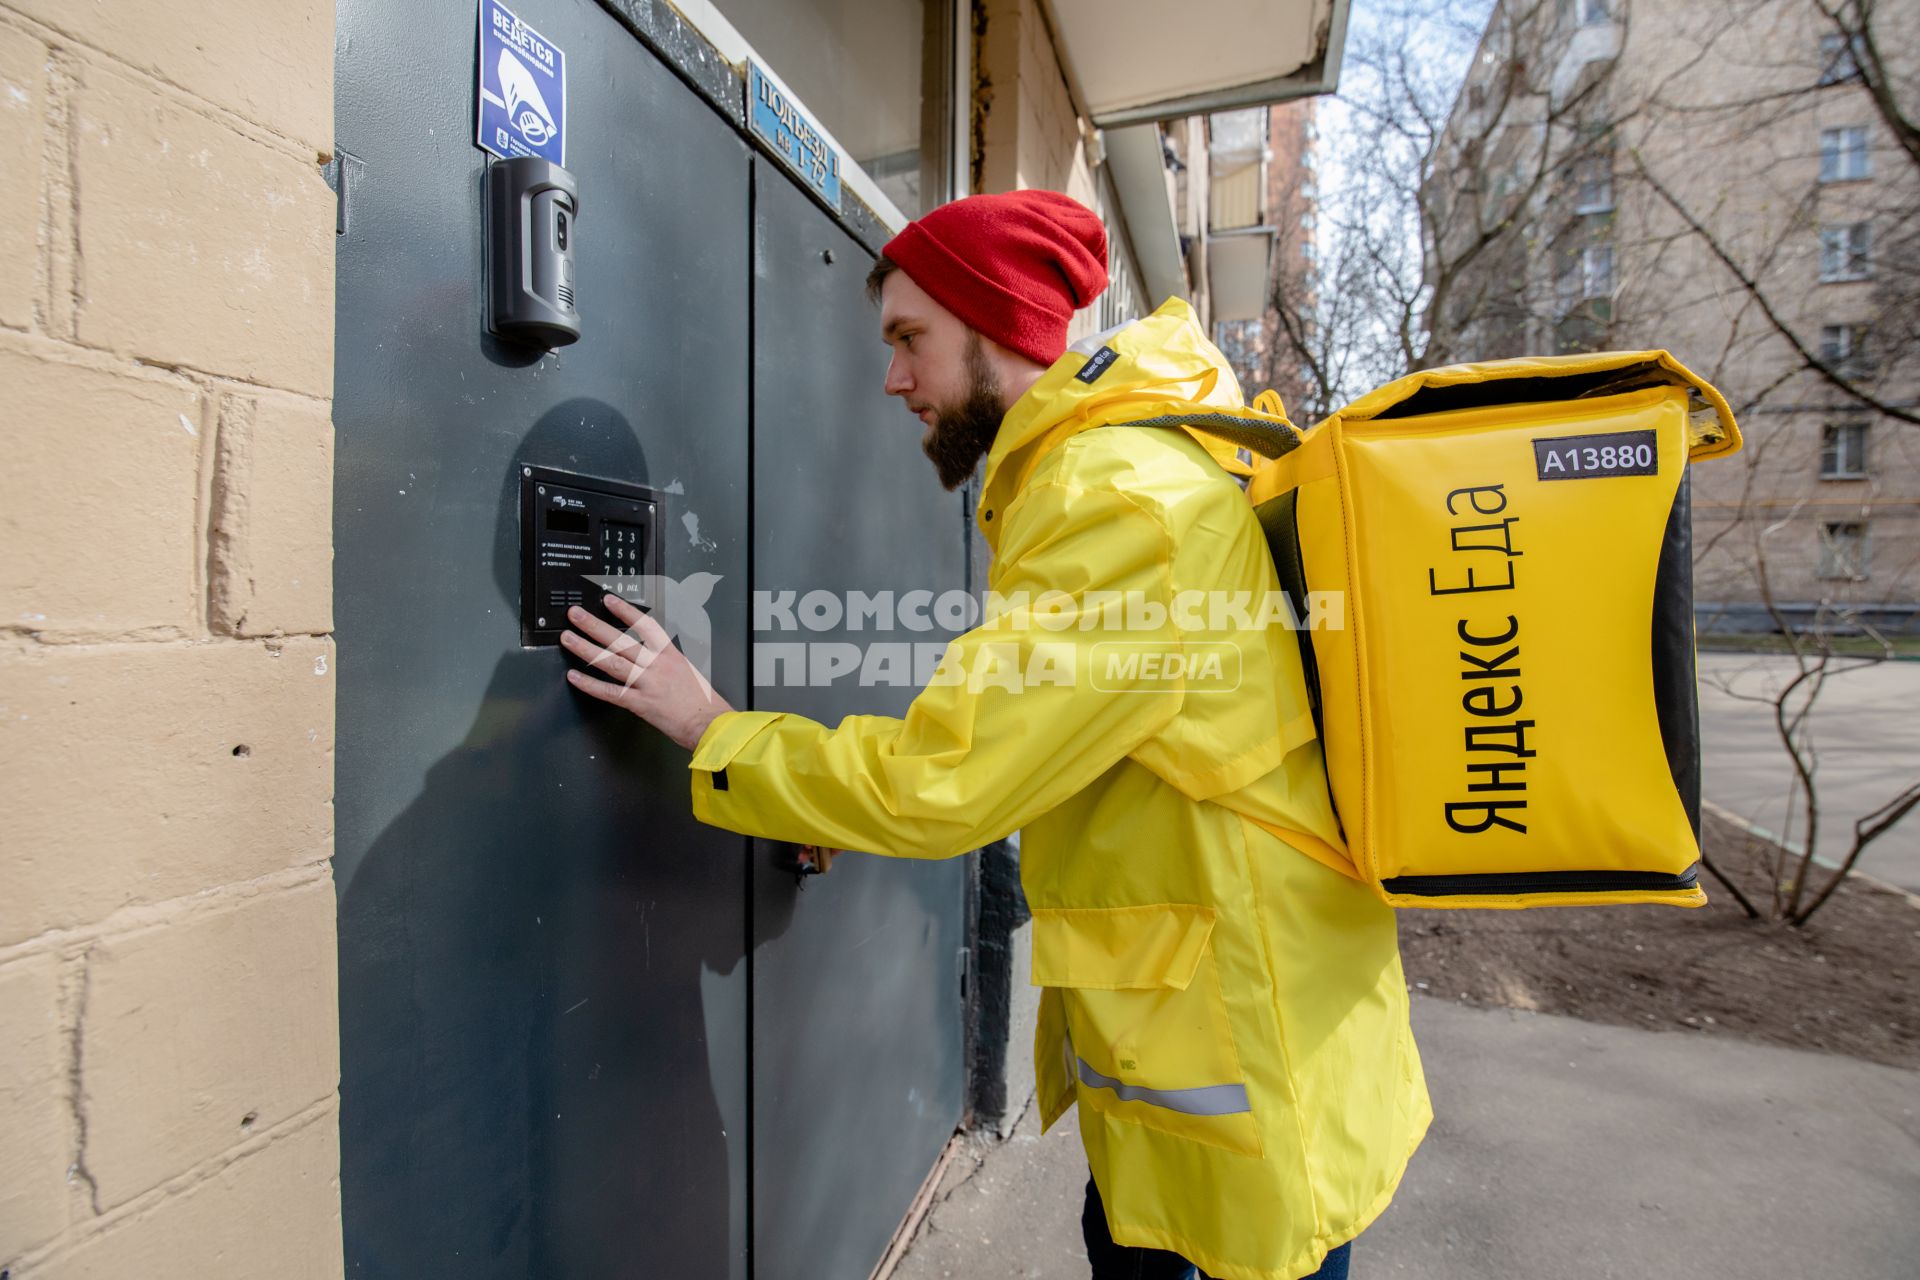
(1226, 1007)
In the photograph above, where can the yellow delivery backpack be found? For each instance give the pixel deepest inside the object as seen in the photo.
(1508, 712)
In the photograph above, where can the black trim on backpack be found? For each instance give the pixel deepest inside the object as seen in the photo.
(1546, 388)
(1280, 521)
(1521, 882)
(1676, 697)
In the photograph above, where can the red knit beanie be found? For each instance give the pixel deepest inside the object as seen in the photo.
(1014, 266)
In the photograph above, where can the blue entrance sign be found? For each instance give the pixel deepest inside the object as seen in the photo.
(793, 137)
(523, 88)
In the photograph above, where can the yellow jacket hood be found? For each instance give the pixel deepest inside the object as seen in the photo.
(1159, 367)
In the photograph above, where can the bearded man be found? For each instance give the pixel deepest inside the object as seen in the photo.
(1225, 1005)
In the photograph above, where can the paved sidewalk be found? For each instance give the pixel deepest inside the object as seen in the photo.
(1561, 1150)
(1866, 729)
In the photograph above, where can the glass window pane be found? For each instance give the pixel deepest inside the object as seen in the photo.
(1843, 154)
(1837, 58)
(1846, 252)
(1843, 550)
(1843, 450)
(1599, 271)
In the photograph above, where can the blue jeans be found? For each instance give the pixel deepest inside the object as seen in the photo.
(1126, 1262)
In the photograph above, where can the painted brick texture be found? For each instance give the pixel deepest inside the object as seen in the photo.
(139, 773)
(33, 1111)
(177, 211)
(122, 445)
(169, 1091)
(268, 62)
(169, 1067)
(23, 122)
(265, 1215)
(272, 531)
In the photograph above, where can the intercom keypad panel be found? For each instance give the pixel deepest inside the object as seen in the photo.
(623, 547)
(581, 538)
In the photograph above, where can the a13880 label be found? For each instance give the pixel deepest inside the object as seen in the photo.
(1615, 453)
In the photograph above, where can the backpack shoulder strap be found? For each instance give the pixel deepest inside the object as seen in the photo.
(1313, 460)
(1266, 438)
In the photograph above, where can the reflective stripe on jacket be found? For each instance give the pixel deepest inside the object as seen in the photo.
(1226, 1006)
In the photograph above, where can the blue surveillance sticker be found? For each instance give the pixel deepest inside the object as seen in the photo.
(523, 88)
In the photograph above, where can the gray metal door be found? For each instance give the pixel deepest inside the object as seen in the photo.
(542, 989)
(554, 1061)
(859, 1062)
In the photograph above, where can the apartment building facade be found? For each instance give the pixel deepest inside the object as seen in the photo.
(1735, 184)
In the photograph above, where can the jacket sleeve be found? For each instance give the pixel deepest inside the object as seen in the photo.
(1026, 709)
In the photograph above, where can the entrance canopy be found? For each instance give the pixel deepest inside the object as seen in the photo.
(1136, 61)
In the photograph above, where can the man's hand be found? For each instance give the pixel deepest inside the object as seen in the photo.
(655, 680)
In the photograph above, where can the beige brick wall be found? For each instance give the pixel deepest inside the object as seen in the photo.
(168, 1035)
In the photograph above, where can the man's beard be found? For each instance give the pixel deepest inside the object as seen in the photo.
(963, 433)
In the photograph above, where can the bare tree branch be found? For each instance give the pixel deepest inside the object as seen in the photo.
(1713, 244)
(1865, 831)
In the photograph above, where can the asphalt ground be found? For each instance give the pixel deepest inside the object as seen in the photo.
(1560, 1150)
(1865, 729)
